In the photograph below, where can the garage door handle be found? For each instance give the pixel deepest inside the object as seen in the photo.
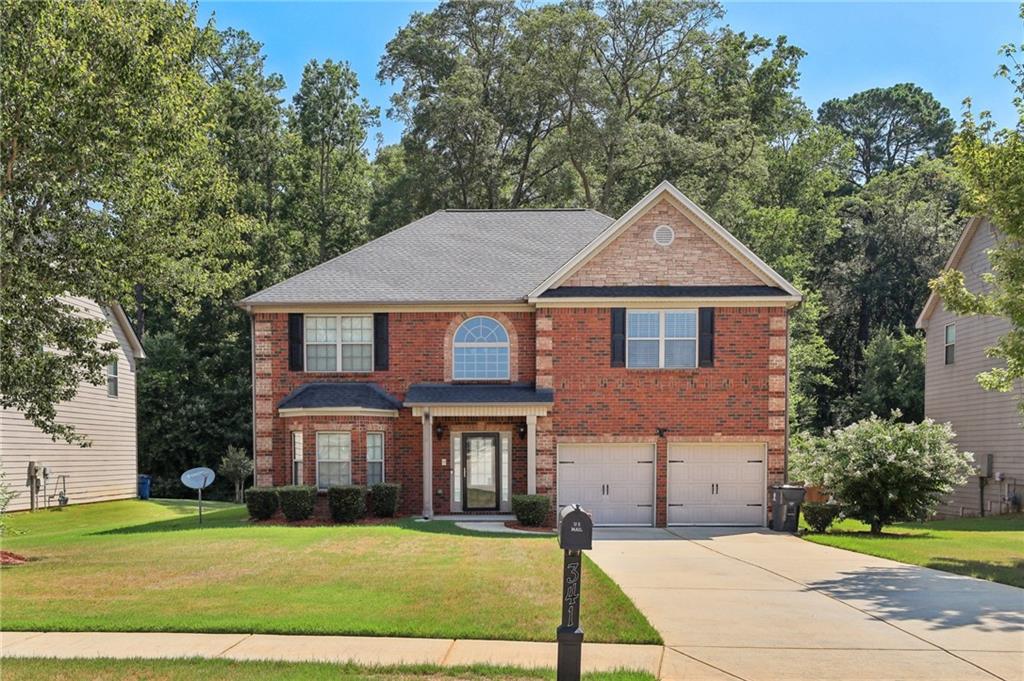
(755, 460)
(671, 505)
(753, 504)
(677, 461)
(566, 462)
(643, 505)
(645, 462)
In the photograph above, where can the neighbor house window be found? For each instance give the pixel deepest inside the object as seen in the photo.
(950, 343)
(665, 339)
(297, 457)
(333, 459)
(481, 350)
(112, 379)
(374, 458)
(334, 338)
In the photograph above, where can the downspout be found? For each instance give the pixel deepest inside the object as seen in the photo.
(252, 389)
(785, 444)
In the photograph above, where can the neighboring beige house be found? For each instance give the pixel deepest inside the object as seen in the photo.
(987, 423)
(104, 413)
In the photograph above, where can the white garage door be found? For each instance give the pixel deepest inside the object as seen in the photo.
(615, 482)
(719, 484)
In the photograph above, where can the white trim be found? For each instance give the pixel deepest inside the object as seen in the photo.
(715, 230)
(336, 411)
(113, 376)
(660, 302)
(128, 330)
(668, 480)
(531, 454)
(317, 435)
(383, 474)
(507, 344)
(298, 457)
(321, 308)
(946, 344)
(661, 338)
(513, 409)
(338, 344)
(966, 236)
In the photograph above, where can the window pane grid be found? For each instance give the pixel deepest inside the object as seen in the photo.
(339, 343)
(661, 339)
(333, 459)
(481, 350)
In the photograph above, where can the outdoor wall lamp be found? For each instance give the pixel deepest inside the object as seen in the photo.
(439, 431)
(661, 431)
(521, 430)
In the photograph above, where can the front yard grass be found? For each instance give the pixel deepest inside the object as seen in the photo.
(147, 566)
(16, 669)
(989, 548)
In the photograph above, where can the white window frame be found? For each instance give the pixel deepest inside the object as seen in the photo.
(349, 460)
(946, 344)
(507, 344)
(662, 337)
(112, 380)
(297, 458)
(369, 461)
(338, 342)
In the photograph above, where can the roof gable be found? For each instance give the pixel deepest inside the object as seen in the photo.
(963, 245)
(702, 253)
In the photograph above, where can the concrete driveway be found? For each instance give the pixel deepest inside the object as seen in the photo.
(752, 604)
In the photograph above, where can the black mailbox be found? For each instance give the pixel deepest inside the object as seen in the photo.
(575, 529)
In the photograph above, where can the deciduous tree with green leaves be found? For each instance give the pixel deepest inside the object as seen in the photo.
(110, 179)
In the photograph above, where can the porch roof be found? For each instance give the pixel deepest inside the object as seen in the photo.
(322, 398)
(470, 394)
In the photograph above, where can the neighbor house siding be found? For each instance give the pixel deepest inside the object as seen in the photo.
(103, 471)
(985, 422)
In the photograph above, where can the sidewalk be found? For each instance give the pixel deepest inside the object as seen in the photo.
(358, 649)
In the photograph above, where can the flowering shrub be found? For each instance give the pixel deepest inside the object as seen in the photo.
(882, 471)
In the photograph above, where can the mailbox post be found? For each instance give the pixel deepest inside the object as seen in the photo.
(575, 534)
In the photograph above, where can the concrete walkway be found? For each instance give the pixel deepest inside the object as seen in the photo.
(358, 649)
(757, 605)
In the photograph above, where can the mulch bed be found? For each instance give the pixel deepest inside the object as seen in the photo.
(516, 525)
(8, 558)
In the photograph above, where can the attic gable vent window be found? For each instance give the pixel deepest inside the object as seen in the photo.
(664, 235)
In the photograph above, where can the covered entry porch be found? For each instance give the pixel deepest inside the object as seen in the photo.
(479, 444)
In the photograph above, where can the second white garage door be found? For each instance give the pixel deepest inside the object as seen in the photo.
(615, 482)
(716, 484)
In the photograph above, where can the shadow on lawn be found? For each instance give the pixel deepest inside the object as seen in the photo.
(449, 527)
(225, 517)
(1012, 574)
(943, 600)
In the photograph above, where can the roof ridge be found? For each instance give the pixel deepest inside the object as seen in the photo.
(515, 210)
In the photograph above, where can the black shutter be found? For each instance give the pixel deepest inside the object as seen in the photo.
(706, 340)
(618, 336)
(295, 351)
(380, 341)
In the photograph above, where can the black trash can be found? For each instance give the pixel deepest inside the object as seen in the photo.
(786, 500)
(144, 481)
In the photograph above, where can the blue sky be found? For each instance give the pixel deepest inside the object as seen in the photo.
(947, 48)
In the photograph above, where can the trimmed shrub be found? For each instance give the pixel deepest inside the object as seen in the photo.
(297, 501)
(531, 509)
(383, 499)
(347, 503)
(262, 502)
(819, 515)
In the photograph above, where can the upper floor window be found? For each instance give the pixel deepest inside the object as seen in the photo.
(665, 339)
(330, 337)
(112, 379)
(950, 343)
(481, 350)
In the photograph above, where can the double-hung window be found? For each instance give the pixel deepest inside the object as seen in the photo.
(374, 458)
(112, 379)
(339, 343)
(661, 339)
(296, 457)
(333, 459)
(950, 346)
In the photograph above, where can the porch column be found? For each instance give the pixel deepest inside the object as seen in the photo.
(428, 464)
(531, 454)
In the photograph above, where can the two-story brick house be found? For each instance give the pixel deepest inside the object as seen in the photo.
(636, 366)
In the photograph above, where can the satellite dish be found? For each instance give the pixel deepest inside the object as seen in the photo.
(197, 478)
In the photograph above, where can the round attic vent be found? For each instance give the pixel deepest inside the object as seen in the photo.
(664, 235)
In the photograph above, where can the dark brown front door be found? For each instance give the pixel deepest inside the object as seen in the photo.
(481, 454)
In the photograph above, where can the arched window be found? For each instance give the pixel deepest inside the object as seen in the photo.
(481, 350)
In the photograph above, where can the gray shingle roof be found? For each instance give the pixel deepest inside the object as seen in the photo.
(318, 395)
(448, 256)
(475, 393)
(662, 291)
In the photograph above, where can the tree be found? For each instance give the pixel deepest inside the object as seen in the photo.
(881, 470)
(892, 379)
(236, 466)
(991, 164)
(890, 127)
(110, 180)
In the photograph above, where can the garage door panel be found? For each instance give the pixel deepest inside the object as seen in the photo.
(716, 484)
(615, 482)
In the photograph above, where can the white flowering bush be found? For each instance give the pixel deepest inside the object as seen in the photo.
(883, 471)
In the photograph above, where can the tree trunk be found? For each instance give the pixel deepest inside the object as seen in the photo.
(140, 311)
(876, 527)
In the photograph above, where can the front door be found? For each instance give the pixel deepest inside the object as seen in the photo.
(480, 454)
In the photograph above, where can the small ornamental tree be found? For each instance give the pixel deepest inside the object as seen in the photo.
(883, 471)
(236, 466)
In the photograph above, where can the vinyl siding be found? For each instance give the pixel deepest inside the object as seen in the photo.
(985, 422)
(106, 470)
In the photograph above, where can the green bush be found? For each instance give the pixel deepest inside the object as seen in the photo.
(297, 501)
(347, 503)
(819, 515)
(262, 502)
(383, 499)
(531, 509)
(882, 471)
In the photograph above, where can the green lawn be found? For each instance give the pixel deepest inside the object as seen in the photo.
(147, 566)
(226, 670)
(990, 548)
